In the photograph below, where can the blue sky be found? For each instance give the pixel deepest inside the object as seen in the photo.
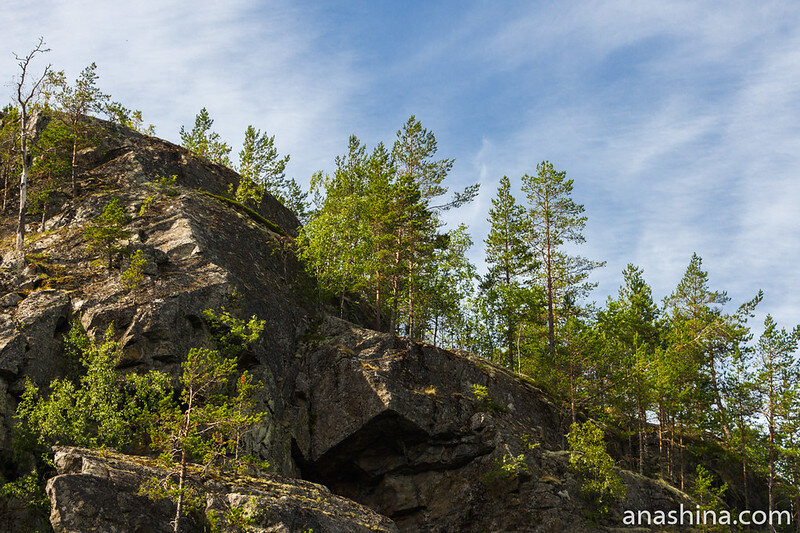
(678, 121)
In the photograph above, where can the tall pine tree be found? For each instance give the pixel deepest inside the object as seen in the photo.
(777, 381)
(629, 326)
(510, 263)
(555, 220)
(75, 102)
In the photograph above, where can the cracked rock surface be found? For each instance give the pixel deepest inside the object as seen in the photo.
(390, 426)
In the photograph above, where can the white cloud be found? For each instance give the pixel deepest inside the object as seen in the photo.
(703, 160)
(677, 120)
(249, 63)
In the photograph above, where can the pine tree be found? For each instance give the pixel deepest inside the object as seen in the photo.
(742, 403)
(450, 277)
(554, 220)
(689, 367)
(52, 164)
(578, 363)
(208, 427)
(375, 232)
(599, 483)
(414, 152)
(790, 448)
(75, 102)
(708, 498)
(419, 180)
(510, 261)
(629, 326)
(260, 169)
(203, 142)
(776, 381)
(119, 114)
(335, 244)
(183, 432)
(104, 233)
(208, 424)
(705, 336)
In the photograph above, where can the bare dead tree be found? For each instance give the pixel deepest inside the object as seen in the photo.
(27, 95)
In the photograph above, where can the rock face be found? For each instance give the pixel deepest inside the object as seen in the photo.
(99, 492)
(201, 253)
(396, 425)
(392, 424)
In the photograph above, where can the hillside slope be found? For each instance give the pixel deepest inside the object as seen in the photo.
(390, 423)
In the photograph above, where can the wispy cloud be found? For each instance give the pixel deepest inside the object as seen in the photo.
(249, 63)
(677, 120)
(679, 126)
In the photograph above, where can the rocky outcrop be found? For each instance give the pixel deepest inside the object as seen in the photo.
(201, 253)
(396, 425)
(30, 348)
(390, 423)
(96, 491)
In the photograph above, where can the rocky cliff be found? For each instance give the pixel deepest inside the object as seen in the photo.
(385, 431)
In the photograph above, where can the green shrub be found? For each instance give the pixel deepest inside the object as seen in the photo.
(483, 402)
(600, 484)
(230, 334)
(167, 185)
(133, 277)
(105, 232)
(145, 205)
(507, 467)
(207, 425)
(707, 497)
(98, 407)
(480, 392)
(528, 442)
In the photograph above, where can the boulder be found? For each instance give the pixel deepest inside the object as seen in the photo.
(99, 491)
(30, 340)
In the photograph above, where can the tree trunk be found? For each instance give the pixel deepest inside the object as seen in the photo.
(23, 182)
(572, 392)
(771, 422)
(378, 302)
(182, 475)
(509, 320)
(630, 458)
(410, 327)
(5, 188)
(395, 293)
(718, 399)
(641, 436)
(74, 158)
(744, 463)
(796, 479)
(393, 316)
(680, 459)
(551, 327)
(661, 460)
(179, 504)
(510, 340)
(669, 437)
